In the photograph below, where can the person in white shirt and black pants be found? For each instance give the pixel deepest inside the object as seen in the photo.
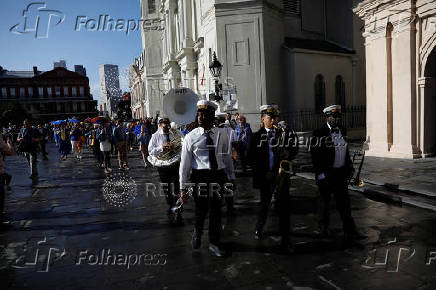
(207, 153)
(161, 142)
(333, 167)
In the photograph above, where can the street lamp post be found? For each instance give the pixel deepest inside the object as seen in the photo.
(215, 68)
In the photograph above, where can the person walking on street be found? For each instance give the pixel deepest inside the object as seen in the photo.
(269, 147)
(143, 141)
(75, 135)
(44, 133)
(104, 136)
(333, 166)
(206, 161)
(120, 139)
(64, 141)
(29, 139)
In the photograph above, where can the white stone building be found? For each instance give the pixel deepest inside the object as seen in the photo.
(400, 40)
(137, 88)
(110, 92)
(298, 54)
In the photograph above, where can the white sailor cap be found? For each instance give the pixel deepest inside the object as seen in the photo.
(220, 114)
(268, 109)
(206, 105)
(162, 119)
(332, 109)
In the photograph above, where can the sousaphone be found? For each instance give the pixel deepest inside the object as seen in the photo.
(180, 105)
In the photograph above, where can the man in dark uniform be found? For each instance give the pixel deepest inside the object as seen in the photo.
(333, 167)
(271, 145)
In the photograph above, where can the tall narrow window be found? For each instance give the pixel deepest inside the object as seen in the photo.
(58, 91)
(4, 93)
(12, 91)
(340, 92)
(30, 92)
(65, 91)
(22, 92)
(40, 91)
(151, 6)
(319, 93)
(49, 92)
(389, 101)
(81, 91)
(74, 91)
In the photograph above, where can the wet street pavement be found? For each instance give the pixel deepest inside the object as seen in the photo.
(66, 235)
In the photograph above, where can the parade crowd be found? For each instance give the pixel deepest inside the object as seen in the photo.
(206, 151)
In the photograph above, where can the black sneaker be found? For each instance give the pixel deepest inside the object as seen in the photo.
(196, 240)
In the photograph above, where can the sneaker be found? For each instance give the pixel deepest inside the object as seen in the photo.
(126, 167)
(110, 169)
(107, 171)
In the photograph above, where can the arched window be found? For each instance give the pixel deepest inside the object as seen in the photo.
(319, 93)
(340, 92)
(151, 6)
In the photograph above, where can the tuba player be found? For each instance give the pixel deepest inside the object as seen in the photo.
(160, 143)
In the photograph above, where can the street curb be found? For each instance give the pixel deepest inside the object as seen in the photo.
(368, 193)
(402, 189)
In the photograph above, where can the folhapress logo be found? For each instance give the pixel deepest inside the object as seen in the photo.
(39, 255)
(37, 20)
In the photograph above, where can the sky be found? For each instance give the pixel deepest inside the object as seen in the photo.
(68, 30)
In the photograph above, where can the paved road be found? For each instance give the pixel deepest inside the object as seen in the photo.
(64, 219)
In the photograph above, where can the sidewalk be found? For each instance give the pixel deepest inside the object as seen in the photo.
(402, 181)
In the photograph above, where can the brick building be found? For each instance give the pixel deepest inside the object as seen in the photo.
(50, 95)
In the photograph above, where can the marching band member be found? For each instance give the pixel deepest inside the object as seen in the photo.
(220, 122)
(332, 165)
(271, 145)
(206, 152)
(161, 142)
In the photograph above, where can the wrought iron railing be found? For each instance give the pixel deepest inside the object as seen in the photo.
(306, 120)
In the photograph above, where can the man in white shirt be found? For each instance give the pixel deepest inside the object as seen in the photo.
(333, 167)
(206, 162)
(161, 142)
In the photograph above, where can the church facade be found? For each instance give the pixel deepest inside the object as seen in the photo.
(301, 55)
(400, 40)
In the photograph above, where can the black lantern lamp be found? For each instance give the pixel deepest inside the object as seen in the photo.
(215, 68)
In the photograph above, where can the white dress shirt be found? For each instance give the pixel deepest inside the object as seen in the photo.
(157, 140)
(340, 148)
(195, 153)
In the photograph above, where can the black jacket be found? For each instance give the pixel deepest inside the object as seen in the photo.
(258, 154)
(323, 151)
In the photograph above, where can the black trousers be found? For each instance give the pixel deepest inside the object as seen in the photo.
(335, 183)
(208, 199)
(283, 203)
(170, 176)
